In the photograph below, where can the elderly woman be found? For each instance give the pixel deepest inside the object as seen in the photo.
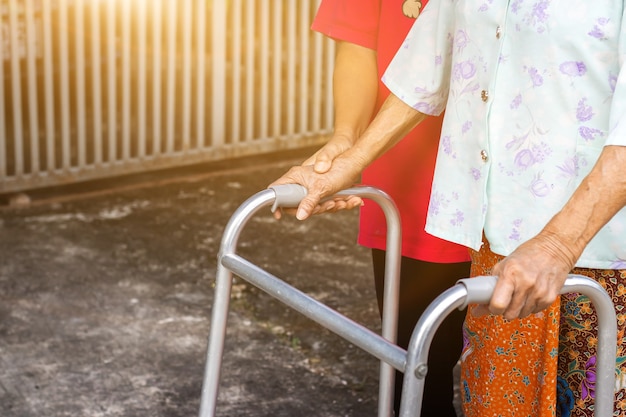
(530, 175)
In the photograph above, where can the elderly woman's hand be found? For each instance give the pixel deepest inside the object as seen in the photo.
(530, 278)
(341, 175)
(322, 162)
(345, 163)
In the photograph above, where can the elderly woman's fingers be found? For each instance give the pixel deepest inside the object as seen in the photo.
(502, 297)
(354, 202)
(529, 279)
(290, 211)
(339, 203)
(307, 207)
(318, 186)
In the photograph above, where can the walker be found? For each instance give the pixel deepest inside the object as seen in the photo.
(413, 361)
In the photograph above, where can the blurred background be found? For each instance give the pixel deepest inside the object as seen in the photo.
(99, 88)
(130, 131)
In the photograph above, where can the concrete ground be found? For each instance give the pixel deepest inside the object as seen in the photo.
(106, 292)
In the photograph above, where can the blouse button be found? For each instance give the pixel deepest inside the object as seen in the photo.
(498, 32)
(484, 95)
(484, 156)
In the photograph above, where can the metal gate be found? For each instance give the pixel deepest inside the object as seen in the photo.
(98, 88)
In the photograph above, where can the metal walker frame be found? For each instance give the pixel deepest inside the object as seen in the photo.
(413, 361)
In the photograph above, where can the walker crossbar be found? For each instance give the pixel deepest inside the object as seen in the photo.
(327, 317)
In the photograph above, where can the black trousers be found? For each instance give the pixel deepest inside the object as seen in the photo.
(420, 283)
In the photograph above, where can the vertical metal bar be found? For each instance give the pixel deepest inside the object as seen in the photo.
(237, 33)
(221, 301)
(417, 352)
(48, 86)
(65, 86)
(16, 90)
(391, 296)
(264, 69)
(217, 336)
(317, 57)
(157, 22)
(200, 68)
(126, 68)
(250, 71)
(111, 82)
(291, 68)
(3, 130)
(328, 102)
(141, 78)
(303, 100)
(606, 350)
(33, 116)
(186, 74)
(277, 67)
(318, 49)
(80, 69)
(170, 98)
(96, 82)
(218, 72)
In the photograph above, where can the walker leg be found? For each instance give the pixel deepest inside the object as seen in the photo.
(217, 334)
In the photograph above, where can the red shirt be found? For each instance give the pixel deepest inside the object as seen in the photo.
(405, 172)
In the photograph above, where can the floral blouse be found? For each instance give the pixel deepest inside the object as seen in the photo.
(532, 91)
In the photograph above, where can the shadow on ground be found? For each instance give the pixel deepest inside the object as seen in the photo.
(105, 304)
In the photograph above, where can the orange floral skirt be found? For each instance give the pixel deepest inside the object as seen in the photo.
(542, 365)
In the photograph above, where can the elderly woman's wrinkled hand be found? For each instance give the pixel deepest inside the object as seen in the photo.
(529, 279)
(319, 187)
(322, 160)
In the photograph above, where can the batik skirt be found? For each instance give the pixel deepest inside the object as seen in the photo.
(542, 365)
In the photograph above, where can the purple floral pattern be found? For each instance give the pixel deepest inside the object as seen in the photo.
(584, 113)
(578, 342)
(524, 121)
(573, 68)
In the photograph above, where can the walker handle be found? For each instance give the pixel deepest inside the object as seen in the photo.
(479, 289)
(288, 195)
